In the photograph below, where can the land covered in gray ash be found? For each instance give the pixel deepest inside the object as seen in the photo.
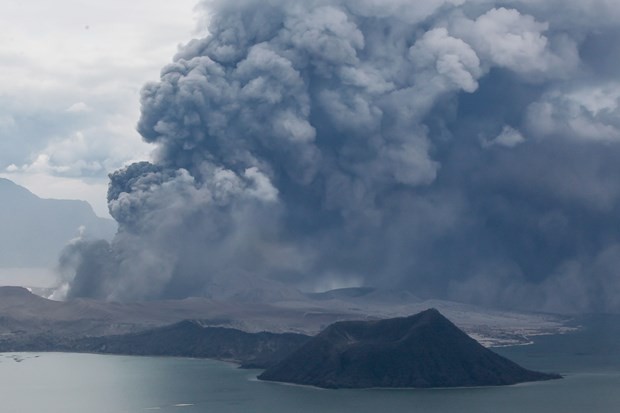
(257, 334)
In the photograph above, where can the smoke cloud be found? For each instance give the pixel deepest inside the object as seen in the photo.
(463, 149)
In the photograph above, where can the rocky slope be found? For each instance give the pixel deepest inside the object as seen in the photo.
(424, 350)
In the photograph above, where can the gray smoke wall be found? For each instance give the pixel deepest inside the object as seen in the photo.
(460, 149)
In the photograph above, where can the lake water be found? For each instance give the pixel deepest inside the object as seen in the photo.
(72, 383)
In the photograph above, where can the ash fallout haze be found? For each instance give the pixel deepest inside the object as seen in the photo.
(460, 149)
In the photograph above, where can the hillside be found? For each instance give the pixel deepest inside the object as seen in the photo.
(34, 230)
(190, 339)
(424, 350)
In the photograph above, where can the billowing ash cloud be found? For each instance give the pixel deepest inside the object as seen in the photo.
(464, 149)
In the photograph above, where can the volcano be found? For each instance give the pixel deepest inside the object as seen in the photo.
(422, 351)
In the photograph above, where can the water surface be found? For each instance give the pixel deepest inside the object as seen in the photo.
(72, 383)
(83, 383)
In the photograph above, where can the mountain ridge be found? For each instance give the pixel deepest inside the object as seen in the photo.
(423, 350)
(35, 230)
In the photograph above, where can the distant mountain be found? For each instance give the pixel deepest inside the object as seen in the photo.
(32, 323)
(424, 350)
(85, 317)
(342, 293)
(34, 230)
(367, 295)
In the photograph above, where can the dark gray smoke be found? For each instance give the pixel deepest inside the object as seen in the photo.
(463, 149)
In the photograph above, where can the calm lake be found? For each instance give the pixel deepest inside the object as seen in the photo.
(82, 383)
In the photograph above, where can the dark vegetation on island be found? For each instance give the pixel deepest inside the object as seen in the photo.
(190, 339)
(184, 339)
(425, 350)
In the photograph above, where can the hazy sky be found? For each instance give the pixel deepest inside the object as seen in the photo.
(69, 88)
(461, 149)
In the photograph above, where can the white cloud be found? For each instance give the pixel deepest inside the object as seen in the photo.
(79, 107)
(447, 58)
(506, 38)
(588, 113)
(509, 138)
(262, 187)
(87, 153)
(70, 80)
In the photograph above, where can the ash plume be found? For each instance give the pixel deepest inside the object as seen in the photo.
(463, 149)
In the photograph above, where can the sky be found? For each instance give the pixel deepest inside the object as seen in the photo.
(69, 88)
(459, 149)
